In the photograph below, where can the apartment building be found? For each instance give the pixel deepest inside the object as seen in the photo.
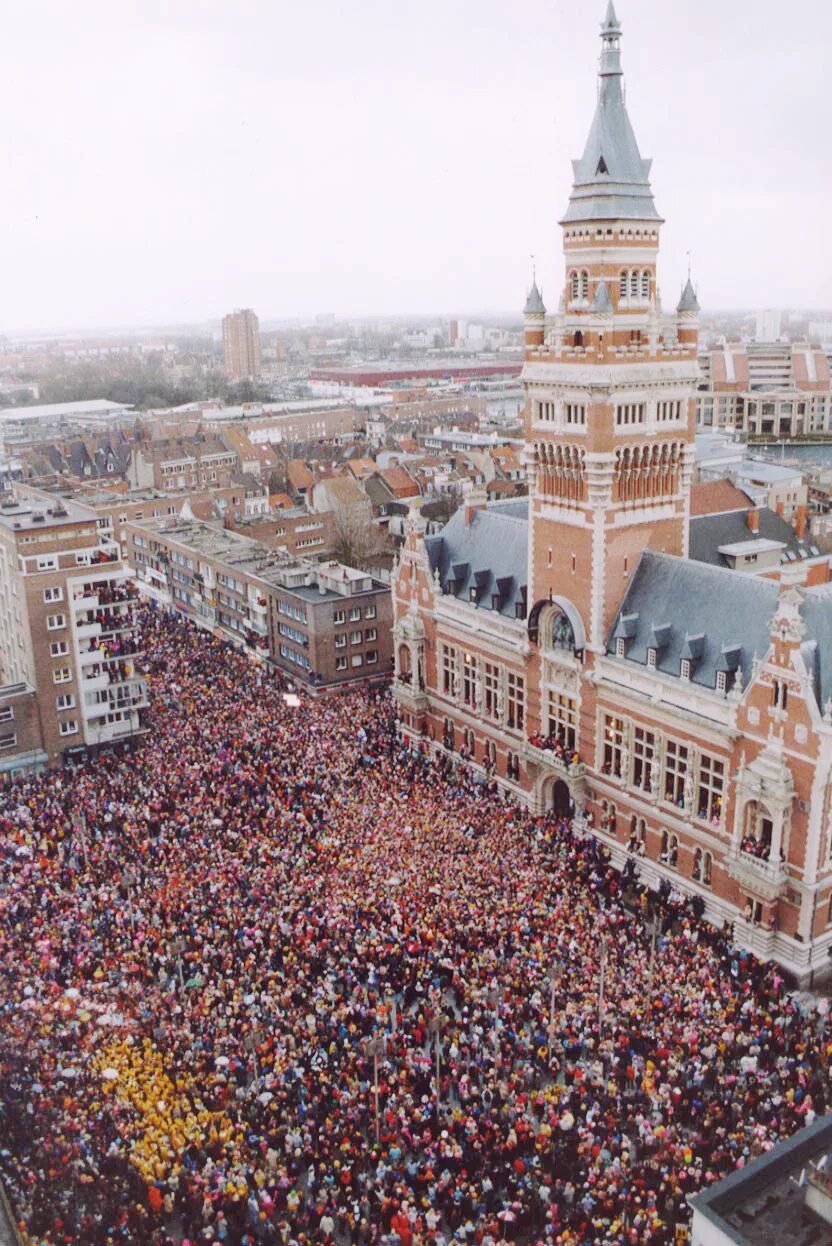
(772, 389)
(324, 624)
(295, 529)
(68, 632)
(186, 463)
(241, 344)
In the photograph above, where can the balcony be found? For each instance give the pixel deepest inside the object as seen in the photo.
(413, 697)
(88, 631)
(95, 683)
(765, 879)
(549, 760)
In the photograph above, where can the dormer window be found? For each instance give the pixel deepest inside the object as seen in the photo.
(685, 669)
(620, 647)
(722, 681)
(651, 659)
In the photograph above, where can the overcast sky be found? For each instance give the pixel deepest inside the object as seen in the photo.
(167, 161)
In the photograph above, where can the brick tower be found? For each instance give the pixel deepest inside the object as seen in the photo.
(609, 383)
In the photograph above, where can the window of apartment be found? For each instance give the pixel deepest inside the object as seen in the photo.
(370, 612)
(711, 784)
(6, 714)
(651, 659)
(340, 616)
(675, 770)
(644, 748)
(355, 614)
(356, 660)
(52, 595)
(668, 412)
(69, 726)
(340, 640)
(371, 633)
(469, 679)
(372, 657)
(340, 664)
(516, 701)
(563, 719)
(620, 647)
(721, 681)
(685, 668)
(66, 701)
(615, 730)
(63, 675)
(8, 739)
(355, 638)
(55, 621)
(82, 559)
(449, 670)
(491, 687)
(47, 562)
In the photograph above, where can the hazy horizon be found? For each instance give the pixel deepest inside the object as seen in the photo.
(169, 165)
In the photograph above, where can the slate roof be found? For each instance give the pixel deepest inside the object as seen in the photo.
(534, 303)
(490, 556)
(688, 302)
(708, 613)
(611, 179)
(709, 532)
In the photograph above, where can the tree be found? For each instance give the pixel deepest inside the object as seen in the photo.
(358, 541)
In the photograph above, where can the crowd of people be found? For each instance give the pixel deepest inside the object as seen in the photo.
(271, 979)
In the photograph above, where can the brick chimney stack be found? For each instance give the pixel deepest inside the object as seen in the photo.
(801, 522)
(754, 520)
(476, 500)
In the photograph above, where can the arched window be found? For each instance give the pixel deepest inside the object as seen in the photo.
(707, 869)
(673, 851)
(576, 285)
(645, 285)
(697, 865)
(634, 284)
(584, 285)
(623, 284)
(579, 338)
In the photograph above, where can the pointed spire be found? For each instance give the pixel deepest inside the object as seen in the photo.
(610, 27)
(611, 180)
(534, 303)
(688, 302)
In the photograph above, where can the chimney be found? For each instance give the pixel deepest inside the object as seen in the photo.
(754, 520)
(801, 522)
(476, 500)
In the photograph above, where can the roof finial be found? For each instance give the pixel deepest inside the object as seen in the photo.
(610, 27)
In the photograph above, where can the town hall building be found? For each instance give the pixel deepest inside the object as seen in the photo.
(571, 646)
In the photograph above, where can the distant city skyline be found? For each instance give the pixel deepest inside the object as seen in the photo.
(364, 161)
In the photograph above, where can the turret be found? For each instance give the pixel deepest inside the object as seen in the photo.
(534, 317)
(687, 316)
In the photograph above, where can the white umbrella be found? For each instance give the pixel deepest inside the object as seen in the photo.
(110, 1075)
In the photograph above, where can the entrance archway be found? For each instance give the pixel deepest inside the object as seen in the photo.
(560, 800)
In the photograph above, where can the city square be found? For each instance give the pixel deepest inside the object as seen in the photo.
(235, 958)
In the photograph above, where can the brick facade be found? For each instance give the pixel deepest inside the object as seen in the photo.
(576, 653)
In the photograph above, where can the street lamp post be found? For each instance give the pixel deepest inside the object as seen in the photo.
(601, 984)
(252, 1041)
(130, 879)
(435, 1030)
(654, 939)
(376, 1047)
(554, 983)
(178, 947)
